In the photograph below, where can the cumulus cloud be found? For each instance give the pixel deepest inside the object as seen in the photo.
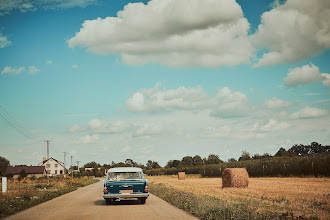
(226, 103)
(33, 69)
(293, 31)
(4, 42)
(75, 66)
(309, 112)
(276, 103)
(217, 132)
(74, 128)
(171, 32)
(89, 139)
(147, 130)
(273, 125)
(7, 6)
(326, 79)
(12, 70)
(303, 75)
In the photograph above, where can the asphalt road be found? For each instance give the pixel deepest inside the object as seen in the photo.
(88, 203)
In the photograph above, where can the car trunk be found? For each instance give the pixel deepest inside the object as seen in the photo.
(126, 186)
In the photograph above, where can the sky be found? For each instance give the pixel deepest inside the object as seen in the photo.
(161, 79)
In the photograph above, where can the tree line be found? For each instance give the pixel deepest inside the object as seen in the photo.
(299, 160)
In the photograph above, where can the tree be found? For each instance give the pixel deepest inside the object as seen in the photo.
(4, 163)
(92, 164)
(187, 161)
(23, 174)
(231, 160)
(213, 159)
(280, 152)
(198, 161)
(130, 162)
(245, 156)
(152, 165)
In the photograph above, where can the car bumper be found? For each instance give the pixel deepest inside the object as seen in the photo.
(134, 195)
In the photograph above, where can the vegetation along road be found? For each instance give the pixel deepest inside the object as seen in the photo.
(87, 203)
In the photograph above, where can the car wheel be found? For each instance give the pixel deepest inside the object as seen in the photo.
(108, 201)
(143, 200)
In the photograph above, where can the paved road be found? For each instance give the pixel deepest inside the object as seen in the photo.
(87, 203)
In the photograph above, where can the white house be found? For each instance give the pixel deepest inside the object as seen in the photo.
(53, 166)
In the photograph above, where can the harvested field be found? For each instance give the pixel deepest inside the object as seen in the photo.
(300, 196)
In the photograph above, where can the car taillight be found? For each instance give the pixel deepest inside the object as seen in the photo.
(146, 189)
(105, 191)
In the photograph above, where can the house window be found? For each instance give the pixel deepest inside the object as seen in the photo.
(56, 165)
(61, 171)
(55, 171)
(48, 165)
(48, 171)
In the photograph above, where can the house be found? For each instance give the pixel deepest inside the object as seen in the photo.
(37, 171)
(53, 166)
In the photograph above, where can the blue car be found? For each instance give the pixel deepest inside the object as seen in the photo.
(125, 183)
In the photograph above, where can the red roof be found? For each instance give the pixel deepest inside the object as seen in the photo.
(59, 162)
(28, 169)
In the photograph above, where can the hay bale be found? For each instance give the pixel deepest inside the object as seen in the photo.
(181, 176)
(235, 177)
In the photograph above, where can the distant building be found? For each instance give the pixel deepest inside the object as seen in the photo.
(37, 171)
(53, 166)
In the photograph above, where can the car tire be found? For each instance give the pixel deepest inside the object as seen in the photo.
(143, 200)
(108, 201)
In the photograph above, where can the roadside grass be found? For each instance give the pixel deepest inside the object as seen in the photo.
(210, 207)
(27, 193)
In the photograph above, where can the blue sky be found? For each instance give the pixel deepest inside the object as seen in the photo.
(110, 80)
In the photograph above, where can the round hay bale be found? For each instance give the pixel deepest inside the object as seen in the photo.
(235, 177)
(181, 176)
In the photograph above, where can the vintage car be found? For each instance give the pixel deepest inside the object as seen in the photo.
(125, 183)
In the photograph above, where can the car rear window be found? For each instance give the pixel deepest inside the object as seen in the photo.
(125, 176)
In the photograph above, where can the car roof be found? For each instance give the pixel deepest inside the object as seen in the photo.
(124, 169)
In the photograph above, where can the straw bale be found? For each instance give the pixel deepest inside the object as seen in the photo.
(235, 177)
(181, 176)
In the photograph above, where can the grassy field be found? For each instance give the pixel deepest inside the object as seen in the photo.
(309, 197)
(27, 193)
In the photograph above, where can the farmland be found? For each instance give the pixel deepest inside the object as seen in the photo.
(309, 197)
(27, 193)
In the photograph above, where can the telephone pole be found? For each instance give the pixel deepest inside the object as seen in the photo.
(65, 153)
(78, 166)
(71, 168)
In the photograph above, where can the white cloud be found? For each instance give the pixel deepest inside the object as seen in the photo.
(309, 112)
(4, 42)
(276, 103)
(49, 62)
(75, 66)
(74, 129)
(304, 75)
(226, 103)
(326, 79)
(217, 132)
(230, 103)
(293, 31)
(33, 69)
(273, 125)
(147, 130)
(89, 139)
(171, 32)
(7, 6)
(12, 70)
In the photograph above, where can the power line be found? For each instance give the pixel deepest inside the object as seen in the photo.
(10, 121)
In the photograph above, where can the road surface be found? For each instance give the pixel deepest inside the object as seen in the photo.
(88, 203)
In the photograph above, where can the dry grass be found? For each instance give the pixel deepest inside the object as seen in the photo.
(302, 196)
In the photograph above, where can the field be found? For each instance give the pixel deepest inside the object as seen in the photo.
(309, 197)
(27, 193)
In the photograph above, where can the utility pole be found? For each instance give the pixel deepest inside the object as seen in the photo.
(47, 164)
(71, 168)
(65, 153)
(78, 166)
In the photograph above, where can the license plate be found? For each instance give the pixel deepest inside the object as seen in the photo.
(126, 191)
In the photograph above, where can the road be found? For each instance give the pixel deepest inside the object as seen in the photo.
(87, 203)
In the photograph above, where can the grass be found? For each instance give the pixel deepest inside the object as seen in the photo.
(267, 197)
(27, 193)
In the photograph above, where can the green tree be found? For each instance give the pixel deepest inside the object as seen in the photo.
(4, 163)
(187, 161)
(245, 156)
(213, 159)
(198, 161)
(23, 174)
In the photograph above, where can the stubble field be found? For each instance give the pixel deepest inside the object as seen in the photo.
(296, 196)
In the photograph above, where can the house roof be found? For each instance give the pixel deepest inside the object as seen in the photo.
(28, 169)
(59, 162)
